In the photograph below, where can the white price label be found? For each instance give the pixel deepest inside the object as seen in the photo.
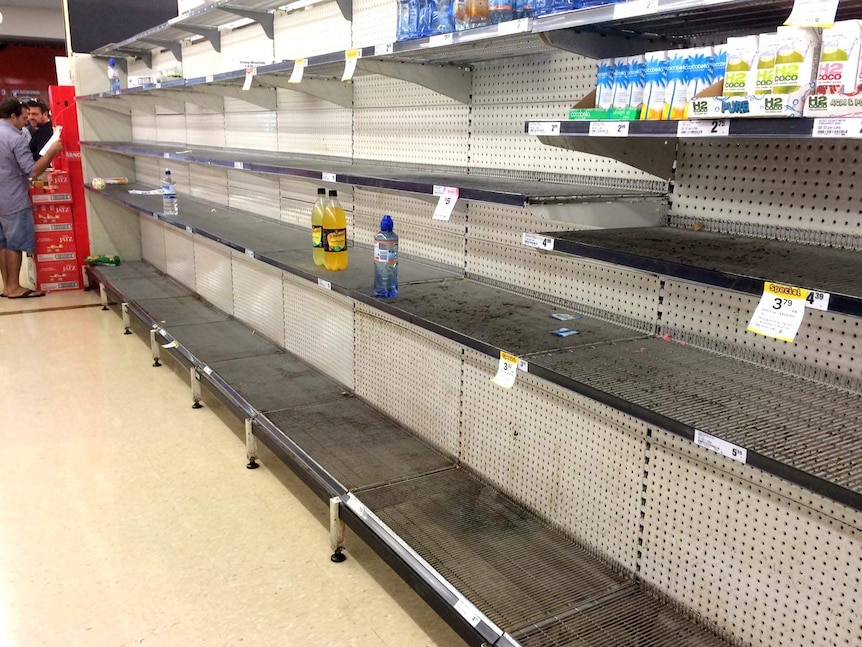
(208, 370)
(327, 177)
(166, 156)
(298, 70)
(703, 128)
(507, 370)
(163, 333)
(849, 127)
(249, 253)
(158, 86)
(609, 129)
(720, 446)
(780, 312)
(351, 57)
(440, 40)
(467, 611)
(381, 50)
(812, 13)
(238, 165)
(523, 365)
(326, 285)
(817, 300)
(189, 230)
(634, 8)
(249, 77)
(446, 203)
(513, 26)
(538, 241)
(209, 78)
(551, 128)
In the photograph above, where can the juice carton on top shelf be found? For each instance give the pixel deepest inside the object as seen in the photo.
(655, 84)
(676, 93)
(637, 73)
(739, 73)
(605, 84)
(839, 68)
(766, 51)
(796, 59)
(621, 82)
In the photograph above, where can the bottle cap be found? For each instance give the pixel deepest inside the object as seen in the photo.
(167, 171)
(112, 62)
(386, 223)
(333, 194)
(321, 191)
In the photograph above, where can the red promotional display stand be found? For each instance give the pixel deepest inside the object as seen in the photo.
(62, 235)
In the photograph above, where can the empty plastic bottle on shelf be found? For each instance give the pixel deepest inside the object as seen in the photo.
(443, 17)
(522, 9)
(334, 234)
(408, 20)
(169, 194)
(386, 261)
(426, 13)
(460, 12)
(317, 227)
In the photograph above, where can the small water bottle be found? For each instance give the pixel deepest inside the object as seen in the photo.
(386, 260)
(169, 194)
(113, 75)
(408, 20)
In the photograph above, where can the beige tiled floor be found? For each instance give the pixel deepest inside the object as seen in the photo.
(128, 518)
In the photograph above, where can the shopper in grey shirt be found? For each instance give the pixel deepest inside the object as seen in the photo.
(17, 232)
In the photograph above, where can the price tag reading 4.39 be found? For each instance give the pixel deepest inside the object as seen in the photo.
(780, 311)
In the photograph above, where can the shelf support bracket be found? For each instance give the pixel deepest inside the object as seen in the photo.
(346, 7)
(448, 80)
(174, 48)
(263, 97)
(263, 18)
(146, 57)
(596, 45)
(210, 33)
(337, 92)
(654, 155)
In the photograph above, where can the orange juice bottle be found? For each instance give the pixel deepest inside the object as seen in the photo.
(334, 234)
(317, 227)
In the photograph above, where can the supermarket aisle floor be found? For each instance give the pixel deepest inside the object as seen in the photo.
(128, 518)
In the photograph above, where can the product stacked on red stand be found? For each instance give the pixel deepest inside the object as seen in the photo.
(57, 266)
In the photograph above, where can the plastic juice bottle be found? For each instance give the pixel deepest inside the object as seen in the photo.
(334, 234)
(317, 226)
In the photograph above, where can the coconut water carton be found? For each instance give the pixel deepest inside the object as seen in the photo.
(676, 94)
(739, 73)
(840, 52)
(605, 84)
(767, 49)
(621, 82)
(796, 59)
(637, 74)
(719, 63)
(655, 84)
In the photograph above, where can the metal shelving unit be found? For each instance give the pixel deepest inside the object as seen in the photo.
(608, 363)
(426, 182)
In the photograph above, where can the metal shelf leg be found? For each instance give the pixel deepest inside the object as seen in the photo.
(336, 531)
(155, 348)
(250, 445)
(196, 388)
(127, 322)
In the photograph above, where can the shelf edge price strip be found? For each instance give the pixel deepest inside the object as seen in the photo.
(780, 311)
(507, 370)
(538, 241)
(832, 128)
(551, 128)
(609, 129)
(704, 128)
(634, 8)
(719, 446)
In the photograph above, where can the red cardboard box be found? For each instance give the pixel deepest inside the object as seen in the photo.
(59, 275)
(55, 246)
(51, 187)
(53, 217)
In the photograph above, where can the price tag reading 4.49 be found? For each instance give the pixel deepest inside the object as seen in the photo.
(780, 311)
(507, 370)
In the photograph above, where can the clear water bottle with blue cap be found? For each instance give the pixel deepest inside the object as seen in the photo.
(386, 260)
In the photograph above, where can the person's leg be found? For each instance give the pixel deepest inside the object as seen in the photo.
(10, 265)
(20, 236)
